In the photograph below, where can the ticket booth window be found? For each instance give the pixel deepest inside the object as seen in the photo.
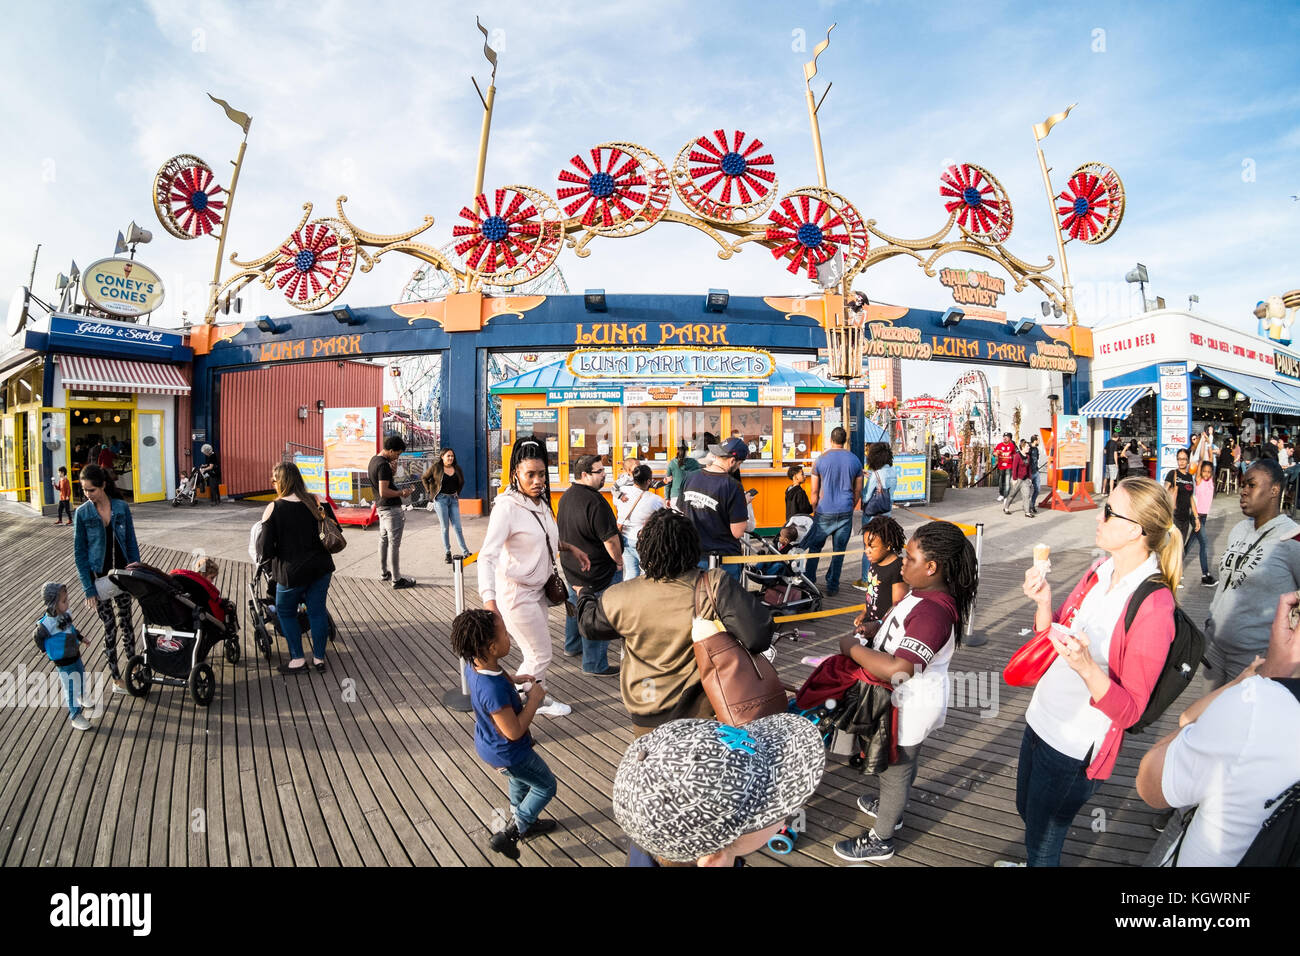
(801, 435)
(693, 422)
(544, 425)
(755, 427)
(645, 434)
(591, 432)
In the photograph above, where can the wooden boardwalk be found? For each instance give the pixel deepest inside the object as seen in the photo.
(362, 765)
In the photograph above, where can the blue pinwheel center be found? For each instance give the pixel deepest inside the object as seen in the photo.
(1082, 206)
(810, 235)
(199, 200)
(304, 260)
(601, 185)
(733, 164)
(495, 228)
(972, 196)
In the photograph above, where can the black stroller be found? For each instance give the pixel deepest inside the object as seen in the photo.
(783, 584)
(261, 611)
(178, 632)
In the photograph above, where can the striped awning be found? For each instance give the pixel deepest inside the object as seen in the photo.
(1265, 395)
(107, 375)
(1115, 402)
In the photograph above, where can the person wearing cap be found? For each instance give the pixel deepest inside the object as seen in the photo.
(211, 473)
(716, 504)
(701, 793)
(836, 486)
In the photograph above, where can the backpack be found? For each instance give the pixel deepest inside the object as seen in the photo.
(1278, 841)
(1184, 657)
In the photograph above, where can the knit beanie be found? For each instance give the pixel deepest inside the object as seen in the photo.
(50, 595)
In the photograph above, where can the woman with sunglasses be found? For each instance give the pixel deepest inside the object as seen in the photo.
(1102, 677)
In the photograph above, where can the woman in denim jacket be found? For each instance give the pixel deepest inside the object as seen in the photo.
(96, 556)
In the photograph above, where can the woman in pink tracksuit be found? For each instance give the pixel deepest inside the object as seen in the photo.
(518, 556)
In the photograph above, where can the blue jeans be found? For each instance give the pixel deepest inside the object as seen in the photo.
(448, 508)
(731, 569)
(1033, 501)
(1050, 789)
(73, 678)
(595, 654)
(631, 562)
(286, 608)
(837, 528)
(531, 787)
(1199, 535)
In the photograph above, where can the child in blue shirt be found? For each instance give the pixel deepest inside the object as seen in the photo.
(501, 736)
(60, 642)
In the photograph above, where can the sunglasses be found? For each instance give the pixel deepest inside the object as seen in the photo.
(1110, 512)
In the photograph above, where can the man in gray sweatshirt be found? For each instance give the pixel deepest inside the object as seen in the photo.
(1252, 574)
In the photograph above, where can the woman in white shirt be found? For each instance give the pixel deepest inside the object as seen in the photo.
(1101, 680)
(517, 557)
(632, 514)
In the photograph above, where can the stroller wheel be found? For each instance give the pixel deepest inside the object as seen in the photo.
(232, 650)
(203, 684)
(138, 676)
(783, 842)
(262, 639)
(856, 761)
(176, 502)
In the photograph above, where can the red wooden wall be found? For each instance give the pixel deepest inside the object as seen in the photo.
(259, 413)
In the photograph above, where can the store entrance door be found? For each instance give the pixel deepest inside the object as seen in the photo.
(147, 458)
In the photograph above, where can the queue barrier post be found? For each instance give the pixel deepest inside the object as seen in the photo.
(458, 698)
(972, 639)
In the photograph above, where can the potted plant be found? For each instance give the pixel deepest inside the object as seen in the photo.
(938, 483)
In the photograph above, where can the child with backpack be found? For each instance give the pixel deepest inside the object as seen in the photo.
(501, 722)
(60, 642)
(1110, 661)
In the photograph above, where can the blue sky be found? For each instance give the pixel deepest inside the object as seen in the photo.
(1196, 105)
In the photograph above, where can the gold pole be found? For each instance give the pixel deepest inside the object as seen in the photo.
(809, 71)
(1070, 316)
(483, 139)
(211, 317)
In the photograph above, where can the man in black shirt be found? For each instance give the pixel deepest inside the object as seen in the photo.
(391, 518)
(1110, 468)
(586, 521)
(716, 505)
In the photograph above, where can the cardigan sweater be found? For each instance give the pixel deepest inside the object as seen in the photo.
(1134, 662)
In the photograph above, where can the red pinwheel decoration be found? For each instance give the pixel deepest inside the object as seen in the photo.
(723, 178)
(510, 238)
(811, 225)
(611, 190)
(978, 200)
(1093, 204)
(186, 197)
(315, 263)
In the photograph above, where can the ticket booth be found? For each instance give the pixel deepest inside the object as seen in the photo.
(785, 416)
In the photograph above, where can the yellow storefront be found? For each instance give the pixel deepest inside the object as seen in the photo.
(620, 403)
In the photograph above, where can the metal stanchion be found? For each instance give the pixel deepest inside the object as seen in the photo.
(458, 699)
(972, 639)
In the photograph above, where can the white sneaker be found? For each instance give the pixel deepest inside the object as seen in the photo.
(1008, 863)
(120, 688)
(554, 708)
(80, 722)
(999, 497)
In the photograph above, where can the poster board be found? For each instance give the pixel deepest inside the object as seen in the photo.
(913, 478)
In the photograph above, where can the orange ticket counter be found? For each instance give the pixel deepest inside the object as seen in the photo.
(784, 415)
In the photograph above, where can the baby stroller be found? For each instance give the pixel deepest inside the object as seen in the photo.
(187, 492)
(261, 611)
(178, 632)
(785, 587)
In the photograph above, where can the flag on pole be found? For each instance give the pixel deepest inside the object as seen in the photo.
(488, 52)
(810, 68)
(242, 120)
(1042, 129)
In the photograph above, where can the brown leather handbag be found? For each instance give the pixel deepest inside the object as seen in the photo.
(741, 686)
(557, 592)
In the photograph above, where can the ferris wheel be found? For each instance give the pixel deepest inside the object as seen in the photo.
(417, 379)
